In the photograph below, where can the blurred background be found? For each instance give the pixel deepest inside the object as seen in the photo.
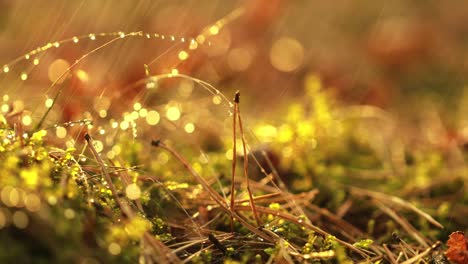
(407, 57)
(338, 93)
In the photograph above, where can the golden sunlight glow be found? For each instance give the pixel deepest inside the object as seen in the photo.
(285, 134)
(229, 154)
(101, 103)
(185, 88)
(18, 105)
(266, 133)
(6, 68)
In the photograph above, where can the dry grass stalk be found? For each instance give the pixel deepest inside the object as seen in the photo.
(246, 158)
(212, 193)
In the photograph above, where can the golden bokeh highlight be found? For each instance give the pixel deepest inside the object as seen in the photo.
(214, 30)
(24, 76)
(124, 125)
(286, 54)
(61, 132)
(69, 213)
(5, 108)
(133, 192)
(14, 197)
(173, 113)
(52, 200)
(136, 106)
(114, 248)
(143, 112)
(152, 118)
(183, 55)
(56, 69)
(32, 202)
(20, 219)
(26, 120)
(82, 75)
(102, 113)
(216, 99)
(49, 102)
(189, 128)
(193, 45)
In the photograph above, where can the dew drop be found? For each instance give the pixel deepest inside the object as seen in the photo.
(24, 76)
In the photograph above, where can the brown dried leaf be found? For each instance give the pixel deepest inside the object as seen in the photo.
(458, 248)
